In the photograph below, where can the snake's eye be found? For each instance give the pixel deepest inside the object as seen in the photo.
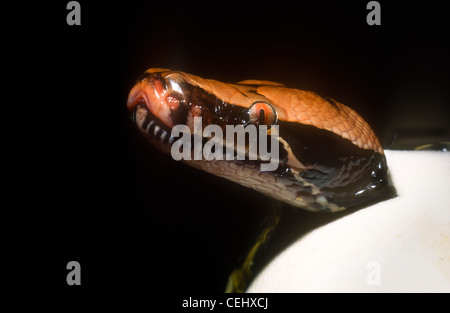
(262, 113)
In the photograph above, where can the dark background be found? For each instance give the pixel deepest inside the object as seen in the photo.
(80, 186)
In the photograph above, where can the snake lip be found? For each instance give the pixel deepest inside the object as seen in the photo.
(151, 125)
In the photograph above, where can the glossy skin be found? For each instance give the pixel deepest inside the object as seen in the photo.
(330, 157)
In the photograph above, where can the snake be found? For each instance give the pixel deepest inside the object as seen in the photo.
(329, 157)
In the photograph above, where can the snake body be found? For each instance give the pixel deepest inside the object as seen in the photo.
(330, 158)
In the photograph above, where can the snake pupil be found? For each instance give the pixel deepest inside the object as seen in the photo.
(261, 117)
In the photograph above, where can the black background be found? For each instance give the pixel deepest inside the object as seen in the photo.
(80, 186)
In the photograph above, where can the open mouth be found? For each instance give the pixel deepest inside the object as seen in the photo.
(159, 134)
(151, 125)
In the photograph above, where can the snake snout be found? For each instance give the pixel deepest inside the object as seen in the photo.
(151, 92)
